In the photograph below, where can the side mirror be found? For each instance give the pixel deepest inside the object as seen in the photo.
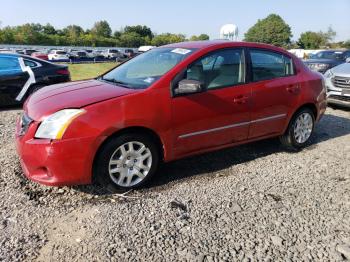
(186, 86)
(347, 60)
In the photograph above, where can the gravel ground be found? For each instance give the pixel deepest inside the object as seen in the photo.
(253, 203)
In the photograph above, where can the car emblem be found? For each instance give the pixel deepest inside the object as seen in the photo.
(347, 81)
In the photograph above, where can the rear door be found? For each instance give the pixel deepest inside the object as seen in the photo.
(219, 115)
(12, 79)
(275, 90)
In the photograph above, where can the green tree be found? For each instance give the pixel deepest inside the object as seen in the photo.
(314, 40)
(73, 34)
(131, 39)
(271, 30)
(102, 29)
(201, 37)
(27, 33)
(346, 44)
(48, 29)
(167, 38)
(142, 30)
(311, 40)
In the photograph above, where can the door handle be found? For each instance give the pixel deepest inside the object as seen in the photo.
(240, 99)
(294, 89)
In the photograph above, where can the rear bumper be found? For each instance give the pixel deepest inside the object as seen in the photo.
(55, 163)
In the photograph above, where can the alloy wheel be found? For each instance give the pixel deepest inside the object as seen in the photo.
(303, 127)
(130, 163)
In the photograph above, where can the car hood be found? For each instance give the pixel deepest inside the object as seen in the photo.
(51, 99)
(342, 70)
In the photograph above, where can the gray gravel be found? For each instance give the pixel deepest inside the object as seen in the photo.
(253, 203)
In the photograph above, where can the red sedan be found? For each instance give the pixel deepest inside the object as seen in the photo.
(171, 102)
(39, 55)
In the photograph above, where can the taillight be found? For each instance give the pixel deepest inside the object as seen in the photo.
(63, 72)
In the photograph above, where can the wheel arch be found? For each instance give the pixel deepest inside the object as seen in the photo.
(134, 129)
(309, 105)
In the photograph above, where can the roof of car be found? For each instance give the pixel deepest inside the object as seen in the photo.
(15, 55)
(209, 43)
(24, 56)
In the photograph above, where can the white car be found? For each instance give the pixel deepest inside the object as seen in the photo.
(145, 48)
(112, 53)
(58, 55)
(338, 85)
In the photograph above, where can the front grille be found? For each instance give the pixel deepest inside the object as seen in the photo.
(341, 82)
(342, 98)
(25, 123)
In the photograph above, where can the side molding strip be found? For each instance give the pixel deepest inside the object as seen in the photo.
(232, 126)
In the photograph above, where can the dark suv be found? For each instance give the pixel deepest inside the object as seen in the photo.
(324, 60)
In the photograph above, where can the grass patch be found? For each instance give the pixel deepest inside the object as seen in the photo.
(86, 71)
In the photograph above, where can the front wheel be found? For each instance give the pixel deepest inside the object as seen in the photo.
(126, 162)
(299, 130)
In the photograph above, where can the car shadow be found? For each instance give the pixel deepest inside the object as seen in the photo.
(330, 127)
(11, 107)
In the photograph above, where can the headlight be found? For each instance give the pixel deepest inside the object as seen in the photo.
(54, 126)
(328, 74)
(320, 66)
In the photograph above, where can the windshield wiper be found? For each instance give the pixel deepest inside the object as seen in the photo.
(114, 81)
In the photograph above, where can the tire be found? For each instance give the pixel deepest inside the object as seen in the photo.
(112, 170)
(292, 139)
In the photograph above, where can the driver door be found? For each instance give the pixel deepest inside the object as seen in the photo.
(218, 115)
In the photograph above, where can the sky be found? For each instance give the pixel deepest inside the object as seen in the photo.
(182, 16)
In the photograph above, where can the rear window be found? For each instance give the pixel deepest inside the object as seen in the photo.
(61, 53)
(9, 63)
(268, 65)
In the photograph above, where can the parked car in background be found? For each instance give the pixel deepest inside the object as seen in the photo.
(98, 54)
(90, 53)
(77, 55)
(112, 53)
(5, 51)
(324, 60)
(129, 53)
(29, 51)
(145, 48)
(58, 55)
(168, 103)
(338, 85)
(40, 55)
(21, 75)
(19, 51)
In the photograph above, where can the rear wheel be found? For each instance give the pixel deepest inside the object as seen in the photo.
(126, 162)
(299, 130)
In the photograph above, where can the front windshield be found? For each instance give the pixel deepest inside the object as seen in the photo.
(143, 70)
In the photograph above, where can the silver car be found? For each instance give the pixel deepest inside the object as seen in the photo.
(338, 85)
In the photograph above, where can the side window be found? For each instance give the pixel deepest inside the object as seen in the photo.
(268, 65)
(220, 69)
(9, 63)
(30, 63)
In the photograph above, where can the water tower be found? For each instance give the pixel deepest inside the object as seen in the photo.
(229, 31)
